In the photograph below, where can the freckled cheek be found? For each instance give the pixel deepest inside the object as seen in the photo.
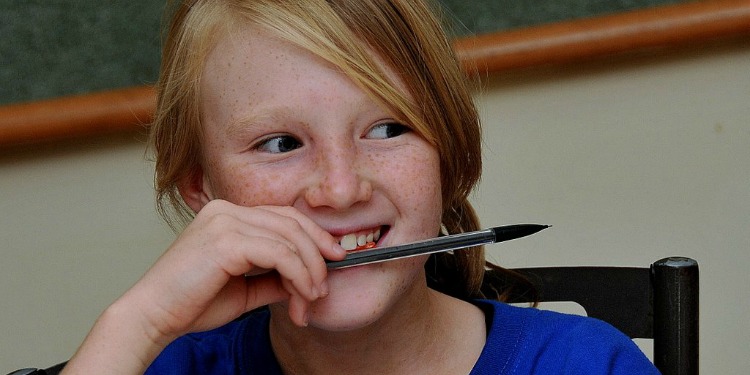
(413, 178)
(423, 174)
(256, 189)
(426, 193)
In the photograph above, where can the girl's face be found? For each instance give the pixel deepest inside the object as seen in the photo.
(282, 127)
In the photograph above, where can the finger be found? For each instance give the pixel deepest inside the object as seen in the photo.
(265, 290)
(229, 302)
(270, 289)
(285, 259)
(298, 308)
(237, 254)
(283, 228)
(325, 242)
(307, 238)
(257, 271)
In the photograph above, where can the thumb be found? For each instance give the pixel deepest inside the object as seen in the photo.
(264, 290)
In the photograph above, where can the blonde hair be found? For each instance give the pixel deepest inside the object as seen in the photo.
(406, 34)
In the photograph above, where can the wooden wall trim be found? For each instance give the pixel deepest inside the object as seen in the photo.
(584, 39)
(559, 43)
(76, 116)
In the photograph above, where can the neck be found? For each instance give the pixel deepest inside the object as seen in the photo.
(429, 331)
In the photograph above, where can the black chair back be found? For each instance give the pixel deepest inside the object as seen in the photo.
(659, 303)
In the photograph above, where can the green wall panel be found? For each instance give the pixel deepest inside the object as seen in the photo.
(492, 15)
(51, 48)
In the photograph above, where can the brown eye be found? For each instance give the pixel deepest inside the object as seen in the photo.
(387, 130)
(279, 144)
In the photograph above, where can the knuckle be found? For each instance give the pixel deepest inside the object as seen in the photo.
(215, 206)
(290, 223)
(225, 242)
(288, 210)
(285, 251)
(221, 220)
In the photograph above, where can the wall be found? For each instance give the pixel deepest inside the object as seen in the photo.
(78, 228)
(629, 161)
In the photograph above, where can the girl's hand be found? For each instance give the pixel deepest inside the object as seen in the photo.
(203, 280)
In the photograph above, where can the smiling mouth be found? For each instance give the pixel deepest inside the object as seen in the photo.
(362, 240)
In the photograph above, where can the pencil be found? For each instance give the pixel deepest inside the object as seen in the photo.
(436, 245)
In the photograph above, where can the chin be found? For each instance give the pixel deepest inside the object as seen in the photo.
(361, 296)
(353, 319)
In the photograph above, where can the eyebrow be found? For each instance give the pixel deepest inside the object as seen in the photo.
(258, 118)
(254, 120)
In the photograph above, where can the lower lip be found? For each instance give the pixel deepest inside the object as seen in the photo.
(351, 270)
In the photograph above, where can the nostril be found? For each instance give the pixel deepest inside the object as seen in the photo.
(339, 190)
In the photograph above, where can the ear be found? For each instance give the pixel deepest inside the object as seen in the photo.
(195, 189)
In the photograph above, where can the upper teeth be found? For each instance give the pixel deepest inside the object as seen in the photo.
(352, 240)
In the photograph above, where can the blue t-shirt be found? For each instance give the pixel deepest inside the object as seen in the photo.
(519, 341)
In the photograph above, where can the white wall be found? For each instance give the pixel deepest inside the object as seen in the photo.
(630, 161)
(78, 227)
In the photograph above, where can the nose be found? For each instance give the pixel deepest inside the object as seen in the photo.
(338, 180)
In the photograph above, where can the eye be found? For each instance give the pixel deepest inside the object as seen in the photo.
(387, 130)
(278, 144)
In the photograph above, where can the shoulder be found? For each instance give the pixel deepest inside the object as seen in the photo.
(219, 351)
(536, 341)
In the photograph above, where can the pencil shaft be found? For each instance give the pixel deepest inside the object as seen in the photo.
(439, 244)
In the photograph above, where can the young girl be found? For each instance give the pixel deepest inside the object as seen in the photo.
(292, 130)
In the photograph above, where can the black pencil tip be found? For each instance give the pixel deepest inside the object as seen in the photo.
(511, 232)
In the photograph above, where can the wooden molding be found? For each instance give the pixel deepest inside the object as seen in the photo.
(584, 39)
(77, 116)
(557, 43)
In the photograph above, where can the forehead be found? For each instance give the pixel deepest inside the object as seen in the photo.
(248, 53)
(248, 68)
(249, 64)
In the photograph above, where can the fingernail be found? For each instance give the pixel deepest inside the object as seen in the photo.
(315, 292)
(324, 289)
(306, 319)
(338, 249)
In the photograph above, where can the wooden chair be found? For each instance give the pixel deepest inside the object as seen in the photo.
(659, 302)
